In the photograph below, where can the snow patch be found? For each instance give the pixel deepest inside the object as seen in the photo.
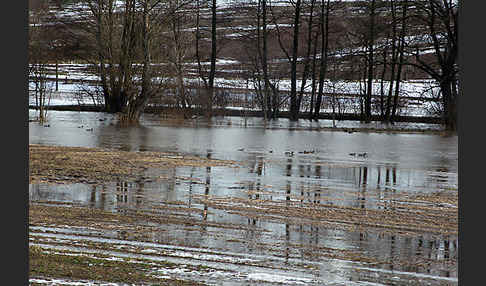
(275, 278)
(66, 282)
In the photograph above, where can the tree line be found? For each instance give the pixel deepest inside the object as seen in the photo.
(142, 48)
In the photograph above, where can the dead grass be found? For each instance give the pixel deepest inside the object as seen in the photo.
(407, 216)
(68, 266)
(56, 164)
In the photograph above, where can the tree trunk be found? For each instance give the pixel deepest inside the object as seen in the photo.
(313, 76)
(305, 73)
(393, 63)
(137, 102)
(262, 56)
(449, 114)
(212, 71)
(371, 62)
(442, 16)
(294, 111)
(324, 27)
(401, 51)
(382, 82)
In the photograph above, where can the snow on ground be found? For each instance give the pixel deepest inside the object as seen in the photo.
(410, 88)
(48, 281)
(75, 82)
(267, 277)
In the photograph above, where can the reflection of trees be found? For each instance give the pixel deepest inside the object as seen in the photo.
(317, 193)
(362, 183)
(103, 198)
(35, 193)
(191, 186)
(390, 187)
(92, 198)
(287, 242)
(206, 188)
(288, 174)
(122, 200)
(420, 254)
(125, 138)
(257, 185)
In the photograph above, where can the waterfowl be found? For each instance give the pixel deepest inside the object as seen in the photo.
(289, 153)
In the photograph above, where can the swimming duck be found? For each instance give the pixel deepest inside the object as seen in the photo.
(289, 153)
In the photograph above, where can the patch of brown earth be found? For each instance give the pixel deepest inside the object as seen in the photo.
(57, 164)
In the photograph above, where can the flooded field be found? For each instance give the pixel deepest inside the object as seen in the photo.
(300, 207)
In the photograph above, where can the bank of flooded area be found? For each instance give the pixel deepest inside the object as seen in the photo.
(262, 206)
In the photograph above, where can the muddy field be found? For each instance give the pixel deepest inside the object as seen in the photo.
(54, 164)
(161, 244)
(237, 202)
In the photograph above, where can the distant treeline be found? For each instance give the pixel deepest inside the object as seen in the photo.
(376, 42)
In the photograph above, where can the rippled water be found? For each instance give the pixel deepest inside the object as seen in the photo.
(282, 163)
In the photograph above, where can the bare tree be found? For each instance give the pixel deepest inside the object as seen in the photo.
(307, 61)
(294, 108)
(179, 41)
(212, 72)
(205, 76)
(393, 61)
(39, 54)
(401, 60)
(125, 37)
(370, 61)
(324, 28)
(440, 19)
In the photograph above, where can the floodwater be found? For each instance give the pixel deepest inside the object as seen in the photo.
(283, 164)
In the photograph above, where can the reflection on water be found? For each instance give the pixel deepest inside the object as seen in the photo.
(276, 170)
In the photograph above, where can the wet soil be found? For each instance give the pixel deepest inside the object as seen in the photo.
(69, 265)
(61, 165)
(238, 202)
(145, 242)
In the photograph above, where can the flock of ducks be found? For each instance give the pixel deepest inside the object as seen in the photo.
(287, 153)
(292, 153)
(364, 154)
(87, 129)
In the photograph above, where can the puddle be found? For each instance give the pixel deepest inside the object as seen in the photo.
(260, 216)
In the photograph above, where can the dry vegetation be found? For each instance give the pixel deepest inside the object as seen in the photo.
(56, 164)
(433, 214)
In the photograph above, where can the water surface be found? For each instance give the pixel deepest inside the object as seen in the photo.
(283, 164)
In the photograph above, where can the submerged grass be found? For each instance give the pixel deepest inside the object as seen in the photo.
(45, 264)
(58, 164)
(404, 217)
(434, 214)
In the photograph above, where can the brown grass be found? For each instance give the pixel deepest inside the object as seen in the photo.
(56, 164)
